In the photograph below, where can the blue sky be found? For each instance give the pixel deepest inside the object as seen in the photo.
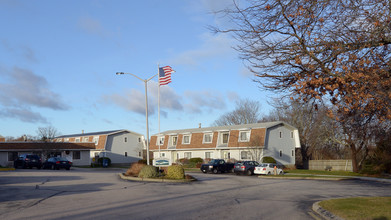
(58, 61)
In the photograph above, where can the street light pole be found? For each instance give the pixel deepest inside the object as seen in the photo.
(146, 106)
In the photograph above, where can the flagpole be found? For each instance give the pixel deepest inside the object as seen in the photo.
(158, 106)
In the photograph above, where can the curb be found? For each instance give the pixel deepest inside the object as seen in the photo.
(323, 212)
(306, 178)
(7, 169)
(122, 176)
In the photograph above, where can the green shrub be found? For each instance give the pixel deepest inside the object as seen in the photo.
(196, 160)
(268, 160)
(175, 172)
(148, 171)
(100, 161)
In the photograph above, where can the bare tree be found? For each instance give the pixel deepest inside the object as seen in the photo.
(245, 112)
(47, 134)
(321, 50)
(320, 136)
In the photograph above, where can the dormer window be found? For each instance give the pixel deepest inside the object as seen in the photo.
(174, 140)
(186, 139)
(160, 140)
(208, 137)
(244, 136)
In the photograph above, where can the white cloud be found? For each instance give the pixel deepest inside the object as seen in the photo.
(92, 26)
(193, 102)
(24, 89)
(218, 45)
(201, 101)
(23, 114)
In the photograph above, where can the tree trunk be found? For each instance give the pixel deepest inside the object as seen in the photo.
(354, 158)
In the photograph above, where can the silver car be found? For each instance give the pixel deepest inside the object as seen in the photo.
(268, 169)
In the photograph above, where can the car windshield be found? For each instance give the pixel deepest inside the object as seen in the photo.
(61, 159)
(214, 162)
(263, 165)
(32, 156)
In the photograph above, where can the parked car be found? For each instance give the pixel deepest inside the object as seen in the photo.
(217, 166)
(28, 161)
(268, 169)
(245, 167)
(56, 163)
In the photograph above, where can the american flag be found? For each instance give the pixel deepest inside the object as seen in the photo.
(165, 75)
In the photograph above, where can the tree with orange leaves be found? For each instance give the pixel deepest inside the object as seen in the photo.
(329, 51)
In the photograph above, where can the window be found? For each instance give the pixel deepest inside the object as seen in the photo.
(85, 139)
(293, 153)
(96, 140)
(174, 140)
(291, 134)
(186, 139)
(126, 154)
(139, 154)
(244, 136)
(139, 139)
(12, 156)
(187, 155)
(125, 139)
(76, 155)
(77, 140)
(208, 137)
(280, 134)
(280, 153)
(244, 155)
(163, 154)
(224, 137)
(208, 155)
(160, 140)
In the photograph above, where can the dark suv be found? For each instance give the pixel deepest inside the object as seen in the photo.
(28, 160)
(245, 167)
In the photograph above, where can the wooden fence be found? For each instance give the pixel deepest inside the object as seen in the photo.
(341, 165)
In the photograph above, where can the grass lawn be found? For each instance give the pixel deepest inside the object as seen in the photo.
(360, 208)
(322, 172)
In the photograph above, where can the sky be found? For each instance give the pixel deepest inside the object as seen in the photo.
(58, 61)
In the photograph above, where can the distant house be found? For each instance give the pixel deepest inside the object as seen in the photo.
(121, 146)
(235, 142)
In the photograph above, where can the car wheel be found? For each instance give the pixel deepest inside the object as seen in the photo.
(281, 173)
(233, 170)
(249, 173)
(204, 171)
(215, 171)
(39, 167)
(68, 168)
(53, 167)
(269, 173)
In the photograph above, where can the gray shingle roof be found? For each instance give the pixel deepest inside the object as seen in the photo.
(227, 127)
(91, 133)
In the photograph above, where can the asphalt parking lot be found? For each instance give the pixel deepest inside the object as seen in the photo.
(101, 194)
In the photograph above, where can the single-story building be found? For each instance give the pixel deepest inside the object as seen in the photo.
(78, 153)
(121, 146)
(233, 142)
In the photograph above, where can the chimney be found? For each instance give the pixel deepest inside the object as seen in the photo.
(199, 125)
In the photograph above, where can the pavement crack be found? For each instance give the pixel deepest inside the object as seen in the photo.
(43, 199)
